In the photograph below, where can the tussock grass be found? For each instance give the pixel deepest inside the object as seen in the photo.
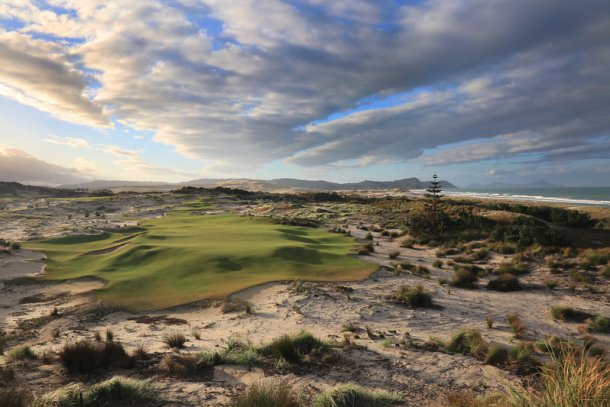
(564, 312)
(489, 320)
(180, 366)
(351, 395)
(514, 321)
(116, 392)
(437, 264)
(174, 340)
(394, 254)
(278, 394)
(468, 342)
(415, 297)
(14, 395)
(573, 379)
(497, 355)
(85, 356)
(21, 353)
(505, 283)
(601, 323)
(464, 278)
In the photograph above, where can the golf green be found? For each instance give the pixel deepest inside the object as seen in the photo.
(183, 257)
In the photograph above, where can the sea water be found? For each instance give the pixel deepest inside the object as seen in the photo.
(591, 196)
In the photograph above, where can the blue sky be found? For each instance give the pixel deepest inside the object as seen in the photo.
(474, 90)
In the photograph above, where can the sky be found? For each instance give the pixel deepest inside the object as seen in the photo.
(477, 91)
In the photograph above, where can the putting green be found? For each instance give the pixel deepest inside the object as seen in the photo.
(182, 258)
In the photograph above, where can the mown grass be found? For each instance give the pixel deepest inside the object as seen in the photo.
(182, 258)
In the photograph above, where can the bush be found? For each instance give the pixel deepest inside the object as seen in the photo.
(180, 366)
(551, 284)
(421, 270)
(521, 356)
(80, 357)
(351, 395)
(468, 342)
(15, 246)
(437, 264)
(601, 323)
(504, 283)
(564, 312)
(21, 353)
(497, 355)
(369, 247)
(605, 272)
(407, 243)
(415, 297)
(514, 321)
(14, 395)
(116, 392)
(368, 236)
(279, 394)
(462, 259)
(464, 278)
(394, 254)
(174, 340)
(513, 268)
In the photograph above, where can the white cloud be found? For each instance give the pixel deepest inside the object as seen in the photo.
(69, 141)
(18, 166)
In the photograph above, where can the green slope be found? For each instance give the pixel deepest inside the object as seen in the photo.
(182, 258)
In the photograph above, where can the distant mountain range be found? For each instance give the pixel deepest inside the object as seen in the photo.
(533, 184)
(31, 191)
(407, 183)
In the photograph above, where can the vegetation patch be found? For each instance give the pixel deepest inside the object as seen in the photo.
(415, 297)
(209, 257)
(505, 283)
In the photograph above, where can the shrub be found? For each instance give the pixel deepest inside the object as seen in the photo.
(180, 366)
(351, 395)
(80, 357)
(601, 323)
(462, 259)
(513, 268)
(578, 276)
(597, 257)
(479, 254)
(468, 342)
(15, 246)
(504, 283)
(14, 395)
(394, 254)
(405, 265)
(415, 297)
(21, 353)
(514, 321)
(283, 347)
(551, 263)
(438, 264)
(605, 272)
(174, 340)
(196, 333)
(497, 355)
(421, 270)
(464, 278)
(407, 243)
(369, 247)
(278, 394)
(490, 321)
(116, 392)
(521, 356)
(564, 312)
(368, 236)
(109, 335)
(551, 284)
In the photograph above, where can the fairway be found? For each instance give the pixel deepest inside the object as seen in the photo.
(182, 258)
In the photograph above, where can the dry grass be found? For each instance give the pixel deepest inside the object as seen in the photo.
(174, 340)
(514, 321)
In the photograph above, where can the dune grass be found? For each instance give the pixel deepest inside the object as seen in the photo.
(182, 257)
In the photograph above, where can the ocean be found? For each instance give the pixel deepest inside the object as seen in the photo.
(589, 196)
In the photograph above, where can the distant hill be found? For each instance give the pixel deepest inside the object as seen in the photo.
(111, 184)
(407, 183)
(210, 181)
(28, 191)
(533, 184)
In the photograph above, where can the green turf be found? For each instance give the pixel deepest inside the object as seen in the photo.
(182, 258)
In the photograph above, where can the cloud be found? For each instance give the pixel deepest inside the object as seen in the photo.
(18, 166)
(244, 83)
(69, 141)
(130, 160)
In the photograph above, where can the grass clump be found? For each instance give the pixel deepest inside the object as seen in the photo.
(350, 327)
(516, 269)
(278, 394)
(522, 357)
(601, 323)
(174, 340)
(468, 342)
(85, 356)
(116, 392)
(605, 272)
(14, 395)
(407, 243)
(573, 379)
(415, 297)
(351, 395)
(464, 278)
(564, 312)
(497, 355)
(180, 366)
(21, 353)
(550, 284)
(394, 254)
(514, 321)
(489, 320)
(437, 264)
(505, 283)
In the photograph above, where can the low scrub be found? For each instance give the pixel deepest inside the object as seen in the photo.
(522, 357)
(514, 321)
(21, 353)
(116, 392)
(394, 254)
(351, 395)
(564, 312)
(174, 340)
(180, 366)
(14, 395)
(468, 342)
(505, 283)
(516, 269)
(601, 323)
(278, 394)
(415, 297)
(86, 356)
(464, 278)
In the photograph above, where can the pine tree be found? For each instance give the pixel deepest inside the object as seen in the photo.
(433, 195)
